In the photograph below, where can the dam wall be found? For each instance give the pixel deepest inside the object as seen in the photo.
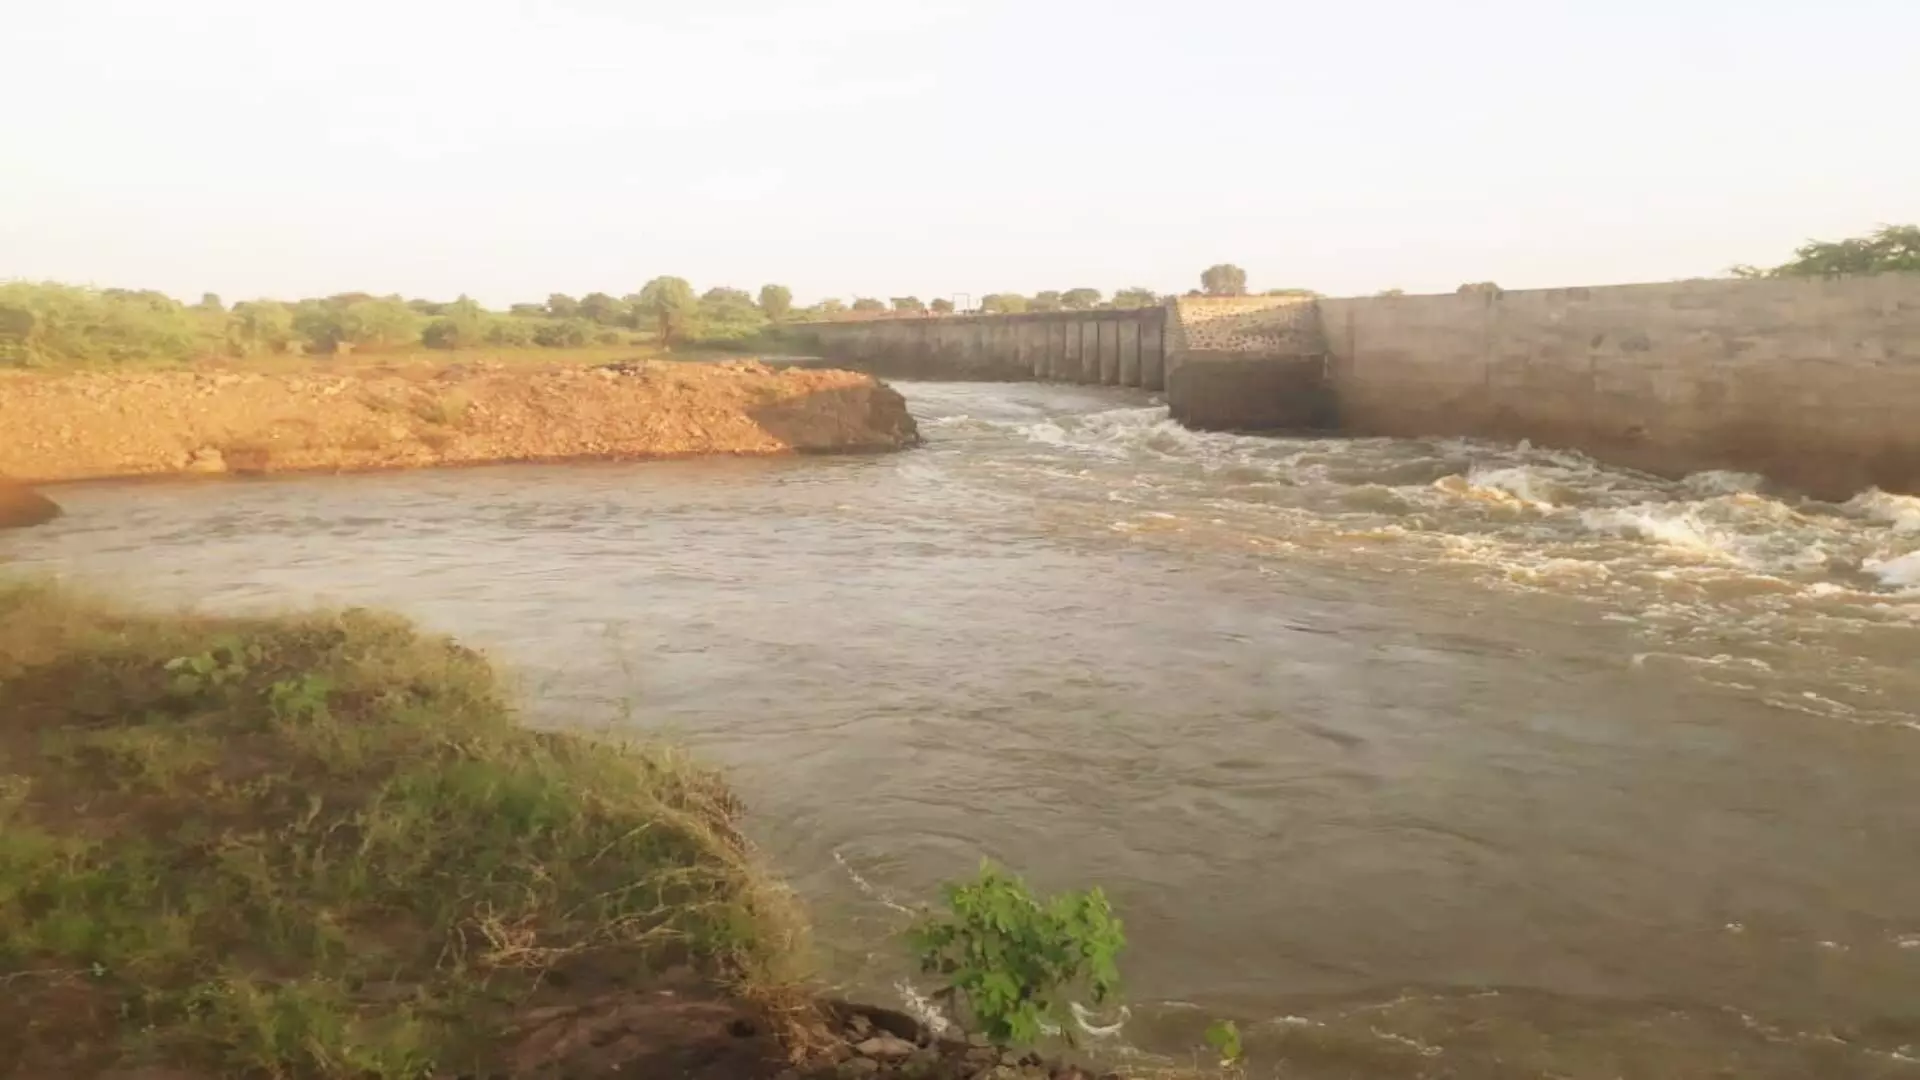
(1123, 347)
(1247, 363)
(1814, 383)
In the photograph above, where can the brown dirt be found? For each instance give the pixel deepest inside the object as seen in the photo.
(21, 506)
(79, 426)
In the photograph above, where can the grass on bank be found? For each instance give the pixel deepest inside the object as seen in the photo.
(318, 845)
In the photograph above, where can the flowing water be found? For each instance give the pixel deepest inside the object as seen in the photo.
(1417, 758)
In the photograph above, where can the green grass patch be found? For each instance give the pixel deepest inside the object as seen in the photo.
(319, 845)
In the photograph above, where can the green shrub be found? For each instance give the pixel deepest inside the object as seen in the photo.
(562, 334)
(511, 332)
(47, 324)
(1012, 960)
(1224, 1037)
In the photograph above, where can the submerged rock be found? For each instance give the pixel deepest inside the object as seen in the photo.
(21, 506)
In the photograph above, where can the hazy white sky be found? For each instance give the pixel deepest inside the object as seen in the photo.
(511, 149)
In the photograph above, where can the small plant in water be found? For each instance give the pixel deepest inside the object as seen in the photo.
(1224, 1037)
(1012, 960)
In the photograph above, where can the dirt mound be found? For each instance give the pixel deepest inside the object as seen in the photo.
(88, 425)
(21, 506)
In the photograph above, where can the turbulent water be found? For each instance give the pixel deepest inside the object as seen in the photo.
(1417, 758)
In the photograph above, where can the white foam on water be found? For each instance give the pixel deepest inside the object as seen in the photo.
(1678, 527)
(1722, 482)
(922, 1008)
(868, 888)
(1902, 512)
(1902, 572)
(1522, 482)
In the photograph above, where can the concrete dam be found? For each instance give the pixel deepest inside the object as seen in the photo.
(1814, 383)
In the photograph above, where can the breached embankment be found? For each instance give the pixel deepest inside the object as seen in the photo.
(85, 425)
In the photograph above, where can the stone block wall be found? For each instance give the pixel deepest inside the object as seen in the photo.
(1247, 363)
(1815, 383)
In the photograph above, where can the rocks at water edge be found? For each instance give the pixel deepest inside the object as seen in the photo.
(881, 1044)
(21, 506)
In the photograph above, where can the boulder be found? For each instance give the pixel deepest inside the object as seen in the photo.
(21, 506)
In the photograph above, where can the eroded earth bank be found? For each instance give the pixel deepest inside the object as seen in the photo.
(83, 426)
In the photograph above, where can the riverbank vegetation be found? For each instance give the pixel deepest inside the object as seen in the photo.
(320, 845)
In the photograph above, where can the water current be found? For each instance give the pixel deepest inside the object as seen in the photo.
(1416, 758)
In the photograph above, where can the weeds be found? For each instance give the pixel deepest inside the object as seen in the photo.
(1012, 959)
(446, 410)
(319, 846)
(1224, 1037)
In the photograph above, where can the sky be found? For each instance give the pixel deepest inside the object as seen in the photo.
(512, 148)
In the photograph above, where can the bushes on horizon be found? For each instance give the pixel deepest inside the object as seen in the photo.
(257, 327)
(1888, 249)
(43, 323)
(776, 301)
(726, 316)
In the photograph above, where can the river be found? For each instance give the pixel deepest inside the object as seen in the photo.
(1416, 758)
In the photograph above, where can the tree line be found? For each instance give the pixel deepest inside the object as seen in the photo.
(44, 323)
(47, 323)
(1223, 279)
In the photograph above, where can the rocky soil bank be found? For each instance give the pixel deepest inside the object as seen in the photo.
(80, 426)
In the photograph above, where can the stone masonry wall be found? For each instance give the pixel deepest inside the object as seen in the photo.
(1815, 383)
(1246, 363)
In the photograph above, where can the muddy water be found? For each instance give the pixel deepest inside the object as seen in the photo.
(1417, 758)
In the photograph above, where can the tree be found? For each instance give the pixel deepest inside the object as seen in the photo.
(909, 305)
(1003, 303)
(1889, 249)
(210, 302)
(669, 303)
(259, 326)
(831, 306)
(562, 333)
(942, 306)
(562, 306)
(1291, 292)
(445, 333)
(528, 311)
(776, 301)
(867, 303)
(598, 307)
(461, 325)
(728, 315)
(1224, 279)
(1479, 287)
(1080, 299)
(511, 332)
(1135, 297)
(720, 294)
(1046, 300)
